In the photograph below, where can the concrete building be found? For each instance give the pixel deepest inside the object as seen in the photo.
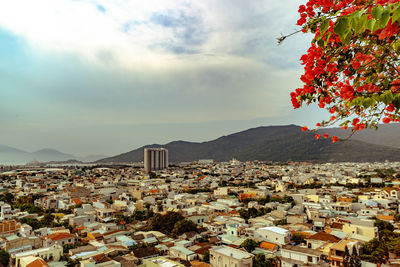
(53, 253)
(222, 256)
(299, 256)
(274, 235)
(155, 159)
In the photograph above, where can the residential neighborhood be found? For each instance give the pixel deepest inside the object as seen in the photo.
(203, 213)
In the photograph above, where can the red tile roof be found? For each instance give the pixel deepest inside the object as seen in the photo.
(323, 236)
(59, 236)
(77, 201)
(37, 263)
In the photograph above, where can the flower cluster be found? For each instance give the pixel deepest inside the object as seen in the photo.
(352, 67)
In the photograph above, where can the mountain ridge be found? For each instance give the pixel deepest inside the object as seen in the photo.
(11, 155)
(272, 143)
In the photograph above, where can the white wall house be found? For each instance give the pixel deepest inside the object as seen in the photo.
(274, 235)
(224, 256)
(300, 256)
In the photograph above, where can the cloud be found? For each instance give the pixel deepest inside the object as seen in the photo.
(148, 33)
(93, 64)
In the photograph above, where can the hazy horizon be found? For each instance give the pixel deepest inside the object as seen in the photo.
(99, 77)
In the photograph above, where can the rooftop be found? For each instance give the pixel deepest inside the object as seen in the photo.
(232, 252)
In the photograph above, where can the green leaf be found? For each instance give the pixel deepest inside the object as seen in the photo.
(341, 25)
(371, 24)
(368, 102)
(377, 12)
(327, 36)
(383, 21)
(396, 14)
(387, 97)
(346, 37)
(396, 46)
(324, 26)
(362, 23)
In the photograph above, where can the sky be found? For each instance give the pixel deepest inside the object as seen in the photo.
(108, 76)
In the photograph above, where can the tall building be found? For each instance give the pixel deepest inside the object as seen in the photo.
(155, 159)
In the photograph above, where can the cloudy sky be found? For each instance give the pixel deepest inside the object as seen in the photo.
(108, 76)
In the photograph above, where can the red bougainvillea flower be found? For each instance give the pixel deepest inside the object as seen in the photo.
(326, 136)
(304, 128)
(351, 67)
(317, 136)
(386, 120)
(334, 139)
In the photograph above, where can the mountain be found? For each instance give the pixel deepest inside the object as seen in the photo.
(49, 154)
(10, 155)
(386, 135)
(90, 158)
(272, 143)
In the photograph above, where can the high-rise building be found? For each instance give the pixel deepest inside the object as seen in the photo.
(155, 159)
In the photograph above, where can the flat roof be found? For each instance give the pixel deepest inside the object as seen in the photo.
(275, 229)
(232, 252)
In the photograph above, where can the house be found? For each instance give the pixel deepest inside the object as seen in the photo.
(273, 234)
(31, 261)
(198, 219)
(183, 253)
(93, 263)
(52, 253)
(144, 253)
(337, 251)
(82, 219)
(160, 262)
(59, 238)
(320, 239)
(358, 226)
(300, 256)
(222, 256)
(8, 227)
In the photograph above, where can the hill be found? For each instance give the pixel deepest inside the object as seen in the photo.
(10, 155)
(387, 135)
(272, 143)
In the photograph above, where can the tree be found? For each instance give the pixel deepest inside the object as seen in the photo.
(355, 260)
(346, 257)
(4, 257)
(165, 223)
(375, 251)
(261, 261)
(184, 226)
(249, 245)
(206, 257)
(7, 197)
(352, 66)
(48, 219)
(298, 238)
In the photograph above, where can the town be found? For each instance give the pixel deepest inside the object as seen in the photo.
(201, 213)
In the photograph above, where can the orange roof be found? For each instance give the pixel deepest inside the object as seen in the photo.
(385, 217)
(77, 201)
(37, 263)
(267, 245)
(153, 191)
(323, 236)
(197, 263)
(80, 227)
(59, 236)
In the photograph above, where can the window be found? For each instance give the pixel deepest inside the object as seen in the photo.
(309, 258)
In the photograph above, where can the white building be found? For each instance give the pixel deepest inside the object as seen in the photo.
(223, 256)
(299, 256)
(274, 235)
